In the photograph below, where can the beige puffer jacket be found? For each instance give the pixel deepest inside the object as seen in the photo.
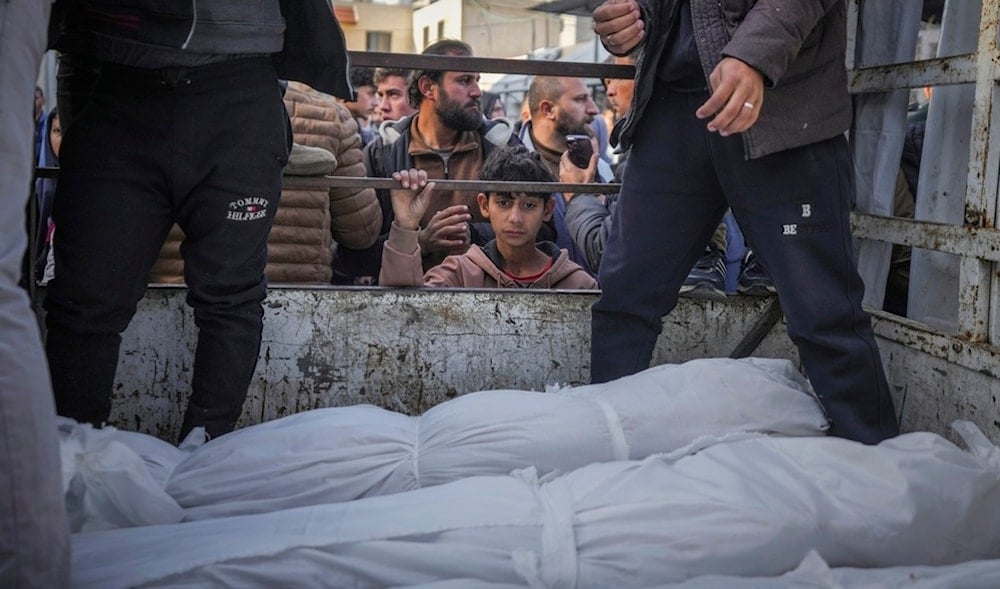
(318, 121)
(299, 245)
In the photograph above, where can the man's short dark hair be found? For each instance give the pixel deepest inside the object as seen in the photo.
(381, 73)
(514, 163)
(362, 76)
(442, 47)
(543, 88)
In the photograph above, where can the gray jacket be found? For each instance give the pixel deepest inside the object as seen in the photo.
(799, 47)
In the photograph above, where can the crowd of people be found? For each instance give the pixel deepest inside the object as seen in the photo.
(155, 119)
(385, 106)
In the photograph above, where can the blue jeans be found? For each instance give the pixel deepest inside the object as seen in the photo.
(203, 147)
(793, 206)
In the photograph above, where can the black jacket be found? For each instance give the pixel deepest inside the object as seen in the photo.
(314, 51)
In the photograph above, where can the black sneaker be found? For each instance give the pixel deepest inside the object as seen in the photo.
(753, 278)
(707, 279)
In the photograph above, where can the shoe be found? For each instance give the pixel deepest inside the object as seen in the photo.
(305, 160)
(753, 279)
(707, 279)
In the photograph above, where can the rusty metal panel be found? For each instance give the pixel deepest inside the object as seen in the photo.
(980, 202)
(934, 276)
(405, 350)
(941, 71)
(975, 356)
(931, 393)
(408, 350)
(945, 237)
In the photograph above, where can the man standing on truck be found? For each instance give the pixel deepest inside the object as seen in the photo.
(740, 104)
(183, 123)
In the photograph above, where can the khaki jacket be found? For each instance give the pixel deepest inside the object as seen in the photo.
(318, 121)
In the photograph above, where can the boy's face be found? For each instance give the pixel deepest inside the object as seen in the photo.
(515, 218)
(366, 103)
(392, 93)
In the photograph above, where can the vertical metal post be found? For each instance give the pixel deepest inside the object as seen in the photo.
(975, 275)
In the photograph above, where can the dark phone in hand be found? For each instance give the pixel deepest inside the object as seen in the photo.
(580, 150)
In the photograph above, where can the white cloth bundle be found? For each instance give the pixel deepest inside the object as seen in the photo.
(113, 478)
(753, 507)
(812, 573)
(341, 454)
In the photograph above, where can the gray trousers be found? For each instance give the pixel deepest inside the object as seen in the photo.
(34, 536)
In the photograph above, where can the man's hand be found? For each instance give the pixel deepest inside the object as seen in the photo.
(619, 24)
(570, 174)
(737, 95)
(447, 231)
(410, 202)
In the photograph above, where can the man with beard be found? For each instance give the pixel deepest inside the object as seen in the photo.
(447, 137)
(559, 107)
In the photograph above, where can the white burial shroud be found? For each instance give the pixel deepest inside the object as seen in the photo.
(345, 453)
(752, 507)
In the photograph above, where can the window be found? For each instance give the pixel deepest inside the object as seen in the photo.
(427, 36)
(378, 41)
(440, 29)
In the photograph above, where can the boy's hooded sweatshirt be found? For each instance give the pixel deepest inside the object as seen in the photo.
(401, 266)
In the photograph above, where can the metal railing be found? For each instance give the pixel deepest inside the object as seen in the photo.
(976, 240)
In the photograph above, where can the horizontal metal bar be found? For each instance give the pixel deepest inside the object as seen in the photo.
(980, 357)
(455, 63)
(323, 182)
(943, 71)
(979, 242)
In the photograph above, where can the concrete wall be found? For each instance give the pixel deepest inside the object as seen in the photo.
(407, 350)
(394, 19)
(494, 31)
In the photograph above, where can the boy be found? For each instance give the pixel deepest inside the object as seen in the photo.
(511, 260)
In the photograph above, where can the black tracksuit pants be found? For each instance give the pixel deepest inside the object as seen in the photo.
(793, 206)
(203, 147)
